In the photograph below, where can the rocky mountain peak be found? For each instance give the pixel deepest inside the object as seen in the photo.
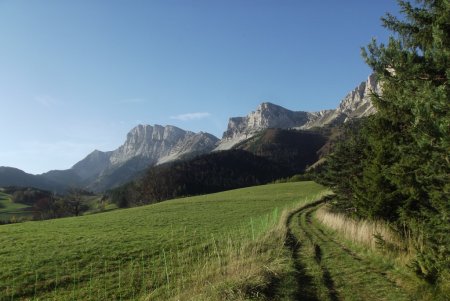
(145, 145)
(151, 142)
(356, 104)
(268, 106)
(266, 115)
(93, 164)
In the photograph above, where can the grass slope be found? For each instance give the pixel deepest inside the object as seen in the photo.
(154, 252)
(9, 209)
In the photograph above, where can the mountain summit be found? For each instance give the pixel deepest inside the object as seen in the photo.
(356, 104)
(267, 115)
(160, 144)
(144, 146)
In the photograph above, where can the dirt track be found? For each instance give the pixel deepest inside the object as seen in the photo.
(328, 269)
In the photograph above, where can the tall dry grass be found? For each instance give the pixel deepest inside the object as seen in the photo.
(375, 234)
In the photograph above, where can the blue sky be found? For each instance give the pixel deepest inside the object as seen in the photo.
(78, 75)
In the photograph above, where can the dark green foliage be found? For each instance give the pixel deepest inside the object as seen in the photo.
(59, 206)
(293, 150)
(209, 173)
(27, 195)
(218, 171)
(411, 133)
(125, 195)
(47, 205)
(15, 177)
(73, 201)
(295, 178)
(400, 170)
(344, 165)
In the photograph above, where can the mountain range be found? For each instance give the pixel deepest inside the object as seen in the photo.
(355, 104)
(148, 145)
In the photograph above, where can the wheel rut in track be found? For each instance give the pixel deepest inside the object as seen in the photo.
(314, 253)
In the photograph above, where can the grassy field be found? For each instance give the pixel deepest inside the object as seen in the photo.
(10, 210)
(156, 252)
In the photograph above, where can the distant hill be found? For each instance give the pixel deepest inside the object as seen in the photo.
(15, 177)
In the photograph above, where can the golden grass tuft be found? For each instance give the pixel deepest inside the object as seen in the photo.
(375, 234)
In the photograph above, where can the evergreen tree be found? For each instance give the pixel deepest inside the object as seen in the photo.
(344, 166)
(406, 173)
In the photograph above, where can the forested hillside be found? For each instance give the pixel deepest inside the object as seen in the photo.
(209, 173)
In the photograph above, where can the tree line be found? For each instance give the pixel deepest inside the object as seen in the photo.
(395, 164)
(48, 205)
(204, 174)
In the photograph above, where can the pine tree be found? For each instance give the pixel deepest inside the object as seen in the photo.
(406, 173)
(344, 166)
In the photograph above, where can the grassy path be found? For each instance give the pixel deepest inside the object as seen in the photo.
(327, 269)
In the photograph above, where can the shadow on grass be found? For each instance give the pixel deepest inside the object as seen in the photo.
(305, 287)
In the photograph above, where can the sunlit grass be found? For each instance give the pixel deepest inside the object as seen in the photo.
(376, 234)
(151, 252)
(377, 241)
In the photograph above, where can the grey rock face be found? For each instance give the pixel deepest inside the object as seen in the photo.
(145, 146)
(161, 144)
(266, 115)
(355, 105)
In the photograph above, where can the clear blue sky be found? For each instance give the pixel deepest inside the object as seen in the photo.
(78, 75)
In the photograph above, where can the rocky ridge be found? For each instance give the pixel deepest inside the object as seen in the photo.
(150, 145)
(158, 144)
(356, 104)
(266, 115)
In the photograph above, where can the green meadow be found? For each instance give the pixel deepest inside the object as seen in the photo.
(156, 252)
(10, 210)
